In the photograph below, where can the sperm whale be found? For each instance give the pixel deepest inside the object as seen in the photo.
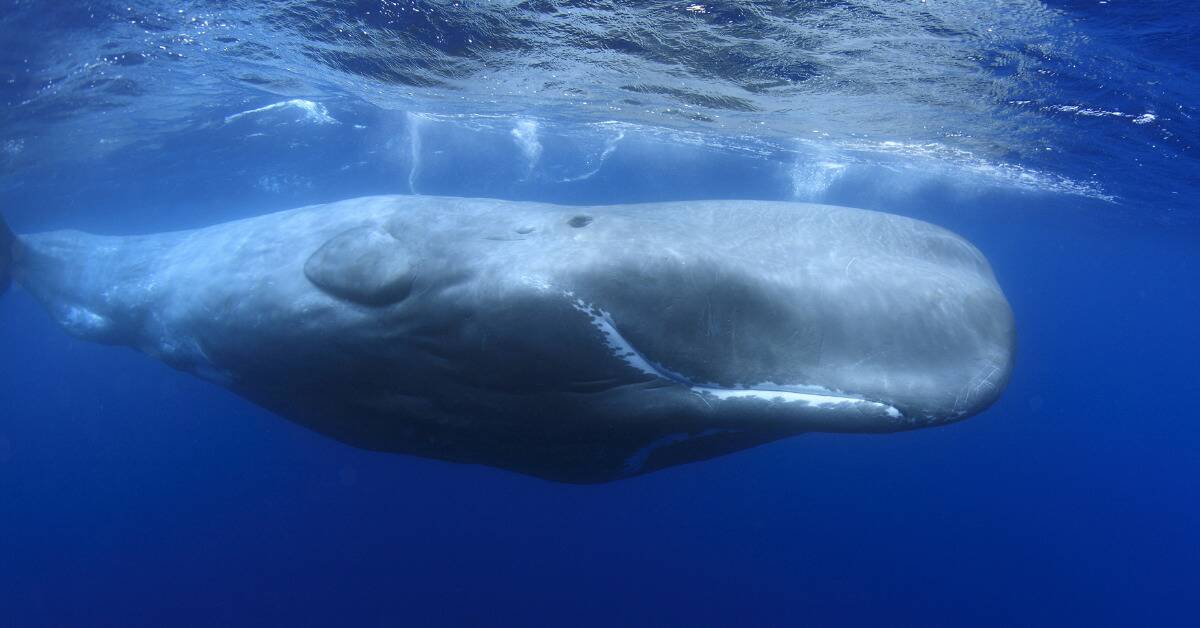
(578, 344)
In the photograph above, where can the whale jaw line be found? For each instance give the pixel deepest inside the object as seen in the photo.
(807, 397)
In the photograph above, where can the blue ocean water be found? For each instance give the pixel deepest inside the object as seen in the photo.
(1059, 137)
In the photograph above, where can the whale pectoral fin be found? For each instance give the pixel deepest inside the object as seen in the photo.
(365, 265)
(8, 244)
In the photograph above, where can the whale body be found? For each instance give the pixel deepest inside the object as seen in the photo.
(577, 344)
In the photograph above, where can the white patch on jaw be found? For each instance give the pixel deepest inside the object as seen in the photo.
(824, 401)
(814, 396)
(616, 342)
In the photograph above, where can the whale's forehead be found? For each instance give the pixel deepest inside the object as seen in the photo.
(770, 236)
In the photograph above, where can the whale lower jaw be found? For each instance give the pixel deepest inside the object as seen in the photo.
(823, 400)
(807, 396)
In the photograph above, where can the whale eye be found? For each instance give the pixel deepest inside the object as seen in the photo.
(365, 265)
(580, 221)
(525, 229)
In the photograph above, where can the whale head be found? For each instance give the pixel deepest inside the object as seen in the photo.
(814, 317)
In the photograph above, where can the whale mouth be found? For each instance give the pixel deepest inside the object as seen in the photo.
(805, 395)
(825, 400)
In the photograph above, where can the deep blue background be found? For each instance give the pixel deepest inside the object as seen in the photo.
(136, 495)
(132, 495)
